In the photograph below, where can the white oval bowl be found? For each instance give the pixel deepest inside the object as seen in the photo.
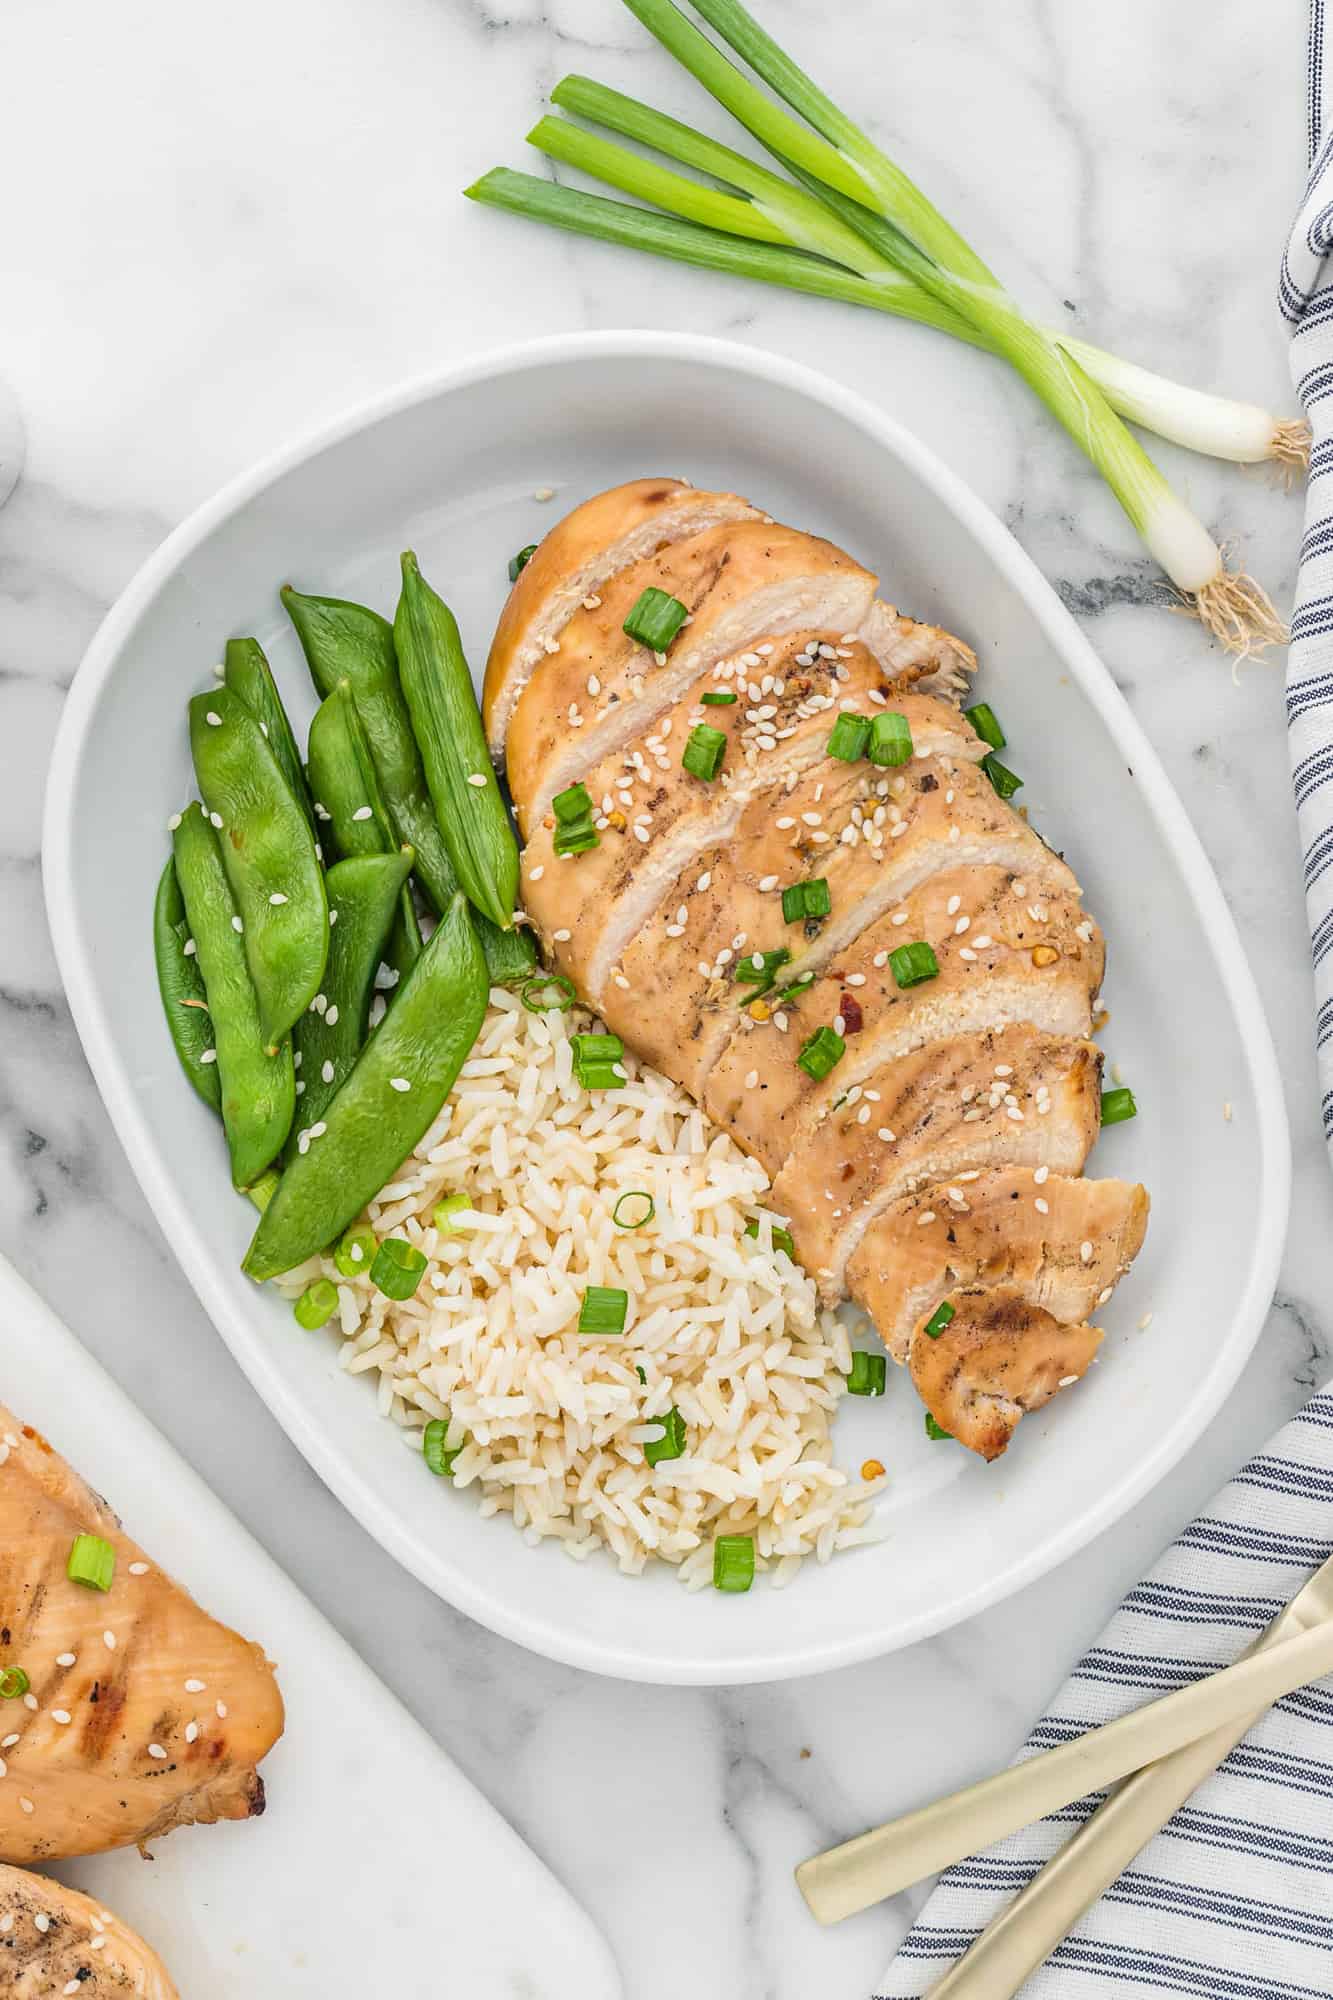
(450, 467)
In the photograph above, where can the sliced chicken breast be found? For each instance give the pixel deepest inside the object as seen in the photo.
(582, 553)
(654, 818)
(917, 656)
(1012, 1097)
(599, 690)
(1061, 1244)
(999, 1357)
(680, 1000)
(1001, 959)
(141, 1712)
(55, 1940)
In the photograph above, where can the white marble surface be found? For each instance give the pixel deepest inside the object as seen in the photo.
(228, 224)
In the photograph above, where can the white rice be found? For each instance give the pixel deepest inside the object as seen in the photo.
(552, 1425)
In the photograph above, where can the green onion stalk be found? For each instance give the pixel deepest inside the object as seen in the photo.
(852, 226)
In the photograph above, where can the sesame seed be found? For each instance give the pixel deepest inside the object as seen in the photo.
(1104, 1294)
(544, 493)
(156, 1750)
(42, 1921)
(173, 822)
(954, 904)
(60, 1715)
(363, 812)
(317, 1130)
(189, 948)
(326, 1071)
(195, 1687)
(767, 882)
(704, 879)
(592, 602)
(1041, 1176)
(1085, 1252)
(751, 1079)
(213, 719)
(208, 1055)
(191, 1732)
(277, 898)
(331, 1016)
(1042, 1207)
(620, 980)
(813, 819)
(215, 820)
(236, 924)
(109, 1641)
(25, 1804)
(784, 823)
(476, 778)
(963, 924)
(221, 1708)
(1145, 1322)
(138, 1569)
(9, 1741)
(1066, 1381)
(65, 1659)
(926, 1217)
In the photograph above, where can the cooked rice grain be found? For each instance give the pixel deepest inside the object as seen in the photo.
(552, 1426)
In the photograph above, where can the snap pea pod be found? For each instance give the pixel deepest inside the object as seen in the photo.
(268, 852)
(349, 642)
(405, 1072)
(342, 773)
(258, 1088)
(446, 722)
(363, 896)
(182, 988)
(248, 674)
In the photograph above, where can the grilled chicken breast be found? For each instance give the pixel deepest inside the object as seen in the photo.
(141, 1712)
(54, 1940)
(935, 1158)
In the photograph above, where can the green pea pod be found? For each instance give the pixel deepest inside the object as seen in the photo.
(405, 1072)
(248, 674)
(363, 898)
(348, 642)
(182, 989)
(268, 852)
(446, 721)
(342, 773)
(258, 1086)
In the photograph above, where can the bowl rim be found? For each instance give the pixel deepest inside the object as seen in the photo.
(807, 1654)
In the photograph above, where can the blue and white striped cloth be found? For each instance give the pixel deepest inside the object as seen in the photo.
(1233, 1900)
(1305, 293)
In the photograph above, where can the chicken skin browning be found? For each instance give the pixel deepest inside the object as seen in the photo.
(136, 1711)
(925, 1121)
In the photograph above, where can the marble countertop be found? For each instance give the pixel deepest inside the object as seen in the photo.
(232, 224)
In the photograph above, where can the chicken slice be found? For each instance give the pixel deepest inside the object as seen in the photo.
(582, 552)
(1002, 958)
(917, 656)
(141, 1713)
(1011, 1097)
(599, 690)
(682, 1000)
(1061, 1244)
(999, 1357)
(667, 817)
(55, 1940)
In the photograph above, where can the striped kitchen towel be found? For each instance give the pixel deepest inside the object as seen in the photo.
(1233, 1900)
(1305, 293)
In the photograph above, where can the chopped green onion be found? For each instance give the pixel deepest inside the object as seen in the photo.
(756, 968)
(1117, 1106)
(704, 751)
(603, 1310)
(867, 1374)
(435, 1450)
(639, 1371)
(1004, 780)
(447, 1212)
(984, 720)
(13, 1683)
(548, 982)
(576, 839)
(518, 563)
(782, 1238)
(913, 963)
(718, 697)
(571, 804)
(733, 1562)
(787, 993)
(398, 1268)
(934, 1430)
(890, 739)
(819, 1055)
(670, 1446)
(316, 1305)
(655, 620)
(600, 1076)
(850, 735)
(355, 1253)
(806, 899)
(939, 1319)
(596, 1049)
(631, 1220)
(92, 1560)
